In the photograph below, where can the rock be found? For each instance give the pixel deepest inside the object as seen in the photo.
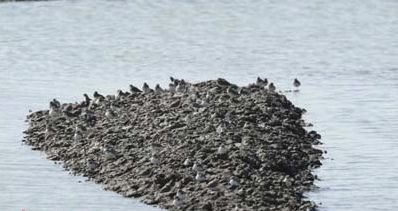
(250, 134)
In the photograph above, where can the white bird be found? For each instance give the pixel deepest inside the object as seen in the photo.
(200, 176)
(158, 89)
(222, 150)
(187, 162)
(177, 202)
(110, 114)
(234, 182)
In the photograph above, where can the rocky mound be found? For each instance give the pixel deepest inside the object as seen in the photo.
(204, 146)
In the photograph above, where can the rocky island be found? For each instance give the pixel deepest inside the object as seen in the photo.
(211, 145)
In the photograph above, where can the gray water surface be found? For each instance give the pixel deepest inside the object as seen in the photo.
(344, 52)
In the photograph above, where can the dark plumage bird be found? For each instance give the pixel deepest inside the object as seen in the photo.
(272, 87)
(158, 89)
(296, 83)
(98, 96)
(134, 89)
(262, 82)
(86, 101)
(223, 82)
(146, 88)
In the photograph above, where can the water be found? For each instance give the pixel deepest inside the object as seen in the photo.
(344, 52)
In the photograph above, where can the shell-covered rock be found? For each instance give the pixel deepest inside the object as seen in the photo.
(206, 146)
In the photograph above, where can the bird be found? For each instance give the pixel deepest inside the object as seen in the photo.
(187, 162)
(272, 87)
(110, 114)
(158, 89)
(223, 82)
(120, 94)
(260, 82)
(172, 87)
(296, 83)
(98, 97)
(181, 87)
(56, 103)
(109, 152)
(234, 182)
(146, 88)
(221, 150)
(177, 202)
(197, 167)
(232, 92)
(200, 176)
(86, 101)
(134, 89)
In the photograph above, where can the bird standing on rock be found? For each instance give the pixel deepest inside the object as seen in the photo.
(146, 88)
(296, 83)
(272, 87)
(158, 89)
(261, 82)
(134, 89)
(98, 97)
(177, 202)
(200, 176)
(86, 101)
(233, 182)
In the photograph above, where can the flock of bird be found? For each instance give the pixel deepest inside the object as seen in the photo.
(176, 86)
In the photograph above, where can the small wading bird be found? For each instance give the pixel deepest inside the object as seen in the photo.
(296, 83)
(262, 82)
(200, 176)
(98, 97)
(134, 89)
(158, 89)
(272, 87)
(146, 88)
(86, 101)
(233, 182)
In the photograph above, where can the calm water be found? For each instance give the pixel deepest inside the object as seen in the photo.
(344, 52)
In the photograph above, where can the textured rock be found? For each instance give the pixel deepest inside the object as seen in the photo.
(225, 147)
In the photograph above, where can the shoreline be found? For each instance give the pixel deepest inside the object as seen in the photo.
(248, 144)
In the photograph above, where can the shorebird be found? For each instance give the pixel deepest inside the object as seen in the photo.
(158, 89)
(146, 88)
(109, 152)
(177, 202)
(234, 182)
(296, 83)
(56, 103)
(200, 176)
(134, 89)
(181, 194)
(98, 97)
(182, 86)
(222, 150)
(261, 82)
(120, 94)
(272, 87)
(110, 114)
(172, 87)
(86, 101)
(197, 167)
(232, 92)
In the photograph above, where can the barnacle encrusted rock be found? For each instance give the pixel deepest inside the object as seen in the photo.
(206, 146)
